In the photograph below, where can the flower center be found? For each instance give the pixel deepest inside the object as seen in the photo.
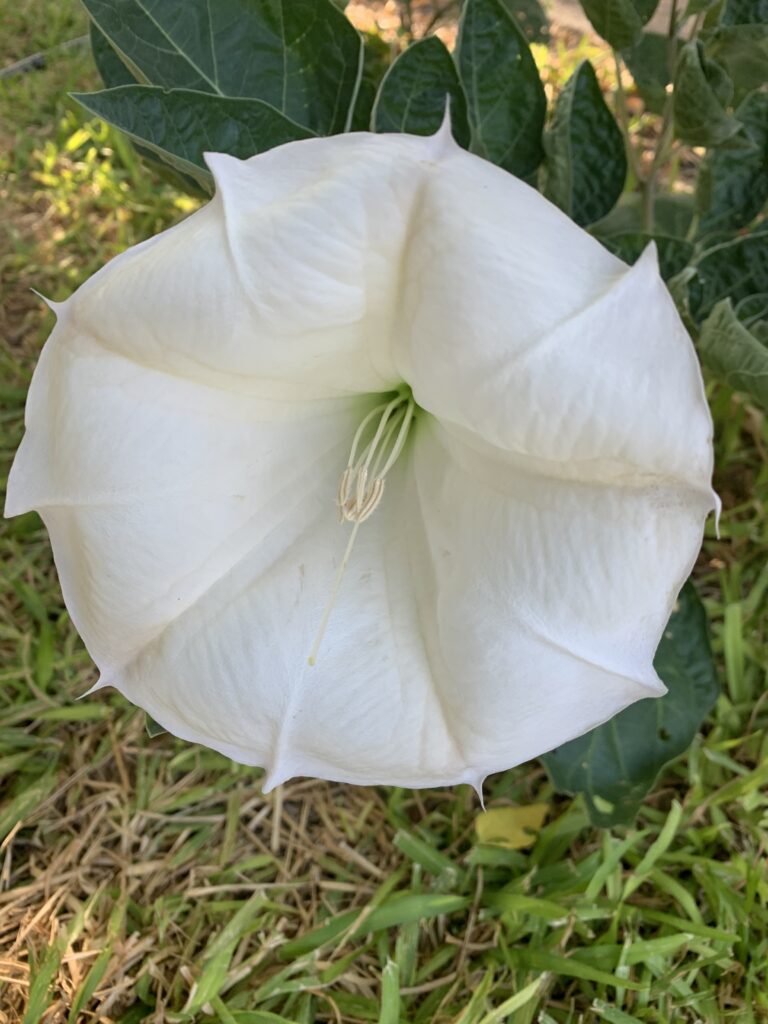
(362, 482)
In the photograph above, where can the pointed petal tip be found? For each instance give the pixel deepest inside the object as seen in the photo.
(655, 684)
(443, 141)
(13, 504)
(648, 259)
(274, 777)
(219, 164)
(476, 782)
(100, 684)
(55, 307)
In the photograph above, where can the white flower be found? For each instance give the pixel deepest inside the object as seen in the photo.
(196, 405)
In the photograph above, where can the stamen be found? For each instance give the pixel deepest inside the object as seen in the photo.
(362, 483)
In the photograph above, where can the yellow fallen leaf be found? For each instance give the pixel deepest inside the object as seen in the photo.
(513, 827)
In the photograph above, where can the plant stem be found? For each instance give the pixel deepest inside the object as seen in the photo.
(665, 141)
(622, 113)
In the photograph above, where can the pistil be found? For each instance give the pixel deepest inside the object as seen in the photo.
(362, 483)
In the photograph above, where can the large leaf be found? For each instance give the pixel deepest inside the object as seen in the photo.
(413, 95)
(181, 124)
(615, 765)
(531, 17)
(114, 73)
(735, 352)
(745, 12)
(736, 269)
(732, 187)
(701, 96)
(649, 63)
(112, 70)
(672, 215)
(506, 99)
(743, 51)
(303, 57)
(377, 58)
(674, 253)
(619, 22)
(586, 158)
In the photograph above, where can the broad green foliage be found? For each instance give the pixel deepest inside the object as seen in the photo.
(732, 187)
(377, 57)
(586, 163)
(702, 94)
(735, 269)
(649, 62)
(619, 22)
(153, 728)
(531, 17)
(416, 90)
(745, 12)
(738, 350)
(742, 50)
(182, 124)
(112, 70)
(259, 49)
(506, 99)
(615, 765)
(672, 216)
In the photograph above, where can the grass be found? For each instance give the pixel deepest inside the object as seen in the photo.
(149, 880)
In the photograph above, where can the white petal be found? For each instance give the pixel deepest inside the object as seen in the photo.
(153, 487)
(523, 329)
(486, 617)
(283, 283)
(490, 268)
(549, 595)
(232, 672)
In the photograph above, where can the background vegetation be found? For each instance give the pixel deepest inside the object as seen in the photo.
(143, 879)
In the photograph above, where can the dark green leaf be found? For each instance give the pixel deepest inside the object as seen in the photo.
(745, 12)
(735, 269)
(743, 51)
(615, 765)
(181, 124)
(672, 215)
(376, 60)
(586, 158)
(649, 62)
(114, 73)
(735, 352)
(674, 253)
(153, 728)
(702, 93)
(752, 309)
(699, 6)
(303, 57)
(506, 99)
(646, 9)
(412, 97)
(112, 70)
(732, 186)
(531, 17)
(619, 22)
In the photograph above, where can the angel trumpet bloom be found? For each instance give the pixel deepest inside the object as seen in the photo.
(524, 514)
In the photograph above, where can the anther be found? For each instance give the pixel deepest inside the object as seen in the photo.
(362, 483)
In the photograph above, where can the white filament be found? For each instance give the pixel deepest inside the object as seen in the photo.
(362, 482)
